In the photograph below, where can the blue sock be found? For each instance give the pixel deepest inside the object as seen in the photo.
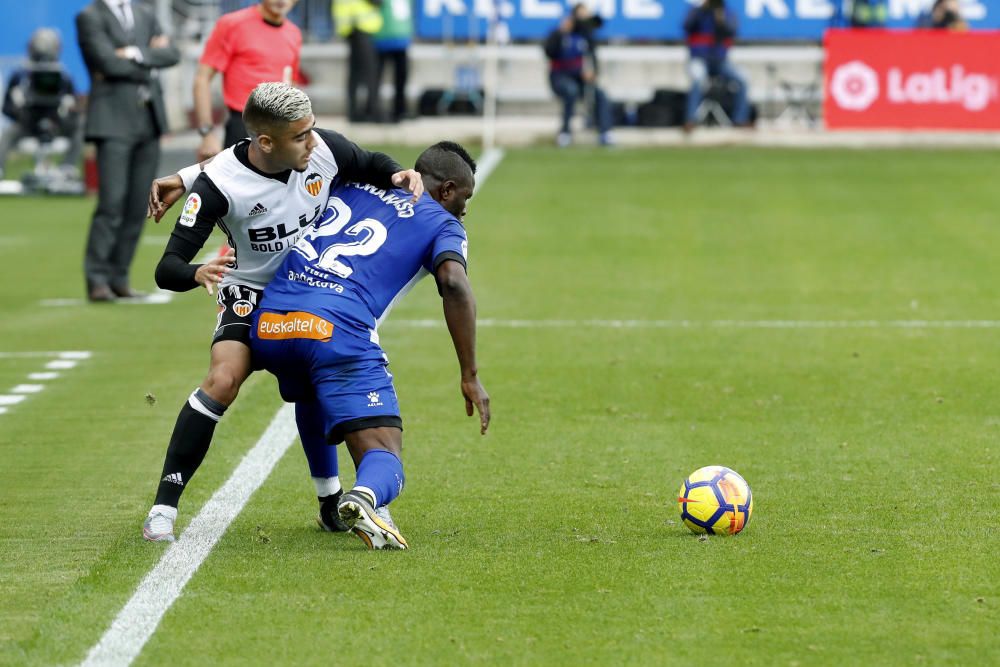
(312, 431)
(380, 472)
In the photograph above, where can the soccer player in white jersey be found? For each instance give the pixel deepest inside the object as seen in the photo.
(263, 192)
(316, 325)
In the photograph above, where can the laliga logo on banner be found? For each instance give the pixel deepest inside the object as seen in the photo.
(854, 86)
(972, 91)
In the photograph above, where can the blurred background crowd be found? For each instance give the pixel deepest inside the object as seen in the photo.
(587, 68)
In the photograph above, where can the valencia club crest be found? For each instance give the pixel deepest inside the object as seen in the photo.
(314, 184)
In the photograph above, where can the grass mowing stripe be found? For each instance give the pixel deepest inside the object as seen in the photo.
(136, 622)
(714, 324)
(138, 619)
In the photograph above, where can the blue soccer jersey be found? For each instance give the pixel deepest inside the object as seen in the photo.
(366, 250)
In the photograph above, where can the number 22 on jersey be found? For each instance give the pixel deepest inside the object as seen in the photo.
(369, 233)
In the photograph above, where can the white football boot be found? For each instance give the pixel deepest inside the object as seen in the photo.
(376, 529)
(159, 524)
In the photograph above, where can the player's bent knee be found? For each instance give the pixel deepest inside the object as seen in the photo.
(387, 438)
(223, 385)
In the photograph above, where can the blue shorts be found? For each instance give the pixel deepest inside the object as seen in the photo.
(347, 375)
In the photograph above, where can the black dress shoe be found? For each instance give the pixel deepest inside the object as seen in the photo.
(128, 293)
(100, 294)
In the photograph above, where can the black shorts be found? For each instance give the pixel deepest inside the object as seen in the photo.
(237, 304)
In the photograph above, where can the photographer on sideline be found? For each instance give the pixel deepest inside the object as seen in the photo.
(571, 50)
(710, 29)
(41, 103)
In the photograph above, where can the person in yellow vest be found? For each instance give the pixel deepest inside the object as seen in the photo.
(357, 21)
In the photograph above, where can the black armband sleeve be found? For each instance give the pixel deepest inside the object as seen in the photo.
(175, 271)
(357, 164)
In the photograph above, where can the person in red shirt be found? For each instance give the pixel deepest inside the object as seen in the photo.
(249, 46)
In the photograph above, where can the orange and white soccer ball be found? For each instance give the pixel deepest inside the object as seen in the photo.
(715, 500)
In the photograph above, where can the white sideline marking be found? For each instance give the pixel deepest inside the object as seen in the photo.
(487, 162)
(3, 410)
(62, 354)
(137, 620)
(711, 324)
(64, 359)
(156, 298)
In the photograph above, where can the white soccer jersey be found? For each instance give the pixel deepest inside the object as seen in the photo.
(265, 217)
(262, 215)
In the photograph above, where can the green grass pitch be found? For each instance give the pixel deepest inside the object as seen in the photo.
(871, 445)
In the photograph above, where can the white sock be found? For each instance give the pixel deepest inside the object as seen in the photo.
(165, 510)
(326, 486)
(365, 491)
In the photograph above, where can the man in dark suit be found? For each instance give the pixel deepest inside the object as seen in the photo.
(123, 46)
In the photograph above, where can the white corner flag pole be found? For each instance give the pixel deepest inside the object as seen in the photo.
(491, 76)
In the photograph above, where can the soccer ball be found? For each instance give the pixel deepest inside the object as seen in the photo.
(715, 500)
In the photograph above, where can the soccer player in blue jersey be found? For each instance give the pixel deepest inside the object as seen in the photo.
(316, 326)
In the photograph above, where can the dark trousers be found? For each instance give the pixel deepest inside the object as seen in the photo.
(125, 168)
(570, 87)
(400, 74)
(362, 66)
(235, 129)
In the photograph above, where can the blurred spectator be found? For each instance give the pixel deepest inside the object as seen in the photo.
(868, 13)
(41, 103)
(710, 29)
(392, 43)
(943, 15)
(357, 21)
(249, 46)
(123, 46)
(572, 53)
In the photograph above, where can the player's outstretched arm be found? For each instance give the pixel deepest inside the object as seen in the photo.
(460, 314)
(175, 271)
(166, 190)
(378, 169)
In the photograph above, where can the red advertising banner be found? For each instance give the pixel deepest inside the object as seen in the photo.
(926, 79)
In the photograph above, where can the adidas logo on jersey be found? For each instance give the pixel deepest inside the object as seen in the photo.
(257, 210)
(174, 477)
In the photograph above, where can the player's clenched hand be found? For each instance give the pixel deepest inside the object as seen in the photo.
(411, 180)
(162, 195)
(476, 396)
(213, 271)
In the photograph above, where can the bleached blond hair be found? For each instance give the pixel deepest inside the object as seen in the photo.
(275, 102)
